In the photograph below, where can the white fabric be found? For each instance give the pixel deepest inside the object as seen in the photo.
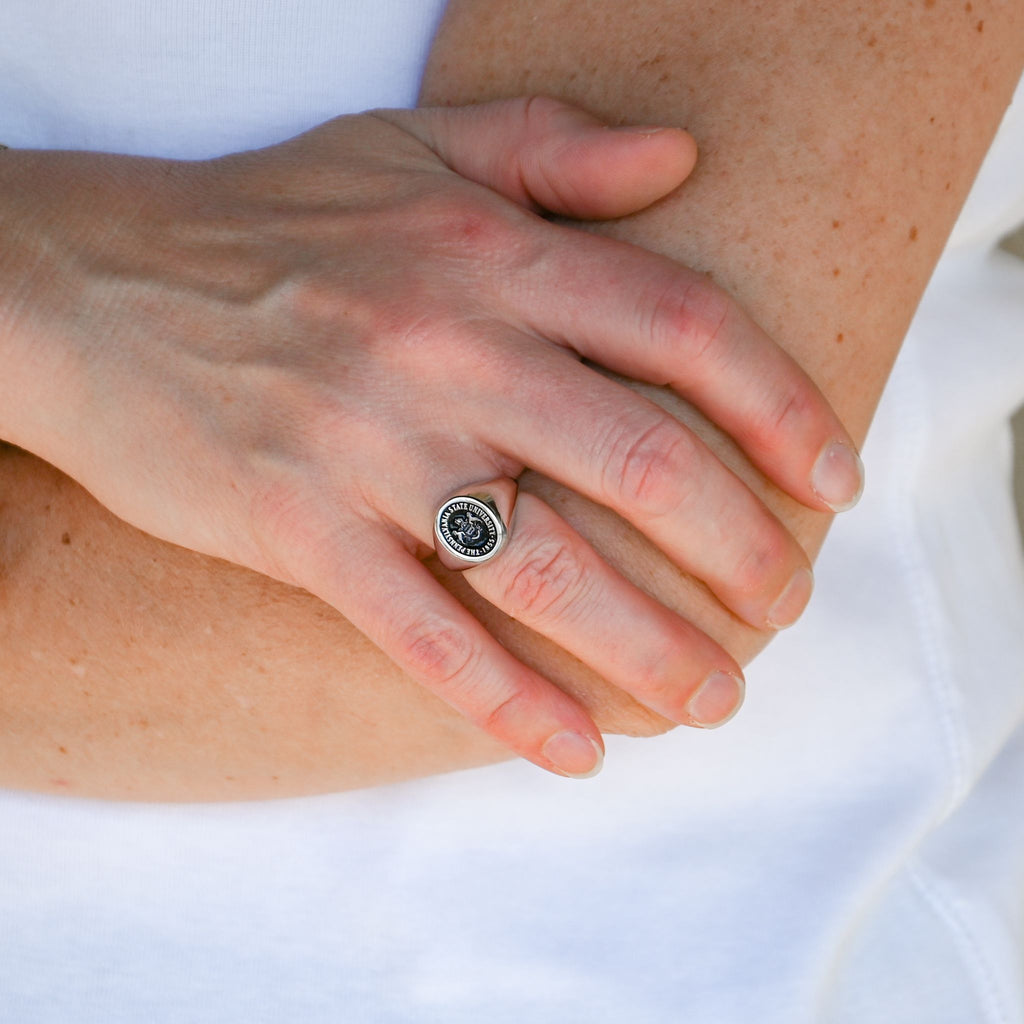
(199, 78)
(850, 850)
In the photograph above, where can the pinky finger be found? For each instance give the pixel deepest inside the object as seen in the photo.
(440, 645)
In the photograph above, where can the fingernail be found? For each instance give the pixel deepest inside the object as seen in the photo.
(790, 604)
(639, 129)
(574, 755)
(718, 699)
(838, 477)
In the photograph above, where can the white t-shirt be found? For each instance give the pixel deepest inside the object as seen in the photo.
(850, 850)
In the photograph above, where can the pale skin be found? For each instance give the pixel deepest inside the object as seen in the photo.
(176, 676)
(287, 359)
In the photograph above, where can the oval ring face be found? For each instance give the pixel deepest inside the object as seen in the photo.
(470, 529)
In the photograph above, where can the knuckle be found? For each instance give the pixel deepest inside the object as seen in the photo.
(644, 471)
(694, 315)
(785, 414)
(548, 579)
(662, 672)
(657, 667)
(463, 226)
(502, 718)
(439, 653)
(766, 552)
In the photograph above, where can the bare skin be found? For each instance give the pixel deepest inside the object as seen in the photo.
(824, 193)
(227, 352)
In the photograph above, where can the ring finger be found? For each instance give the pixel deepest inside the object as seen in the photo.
(551, 580)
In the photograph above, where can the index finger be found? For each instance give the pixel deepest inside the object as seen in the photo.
(649, 318)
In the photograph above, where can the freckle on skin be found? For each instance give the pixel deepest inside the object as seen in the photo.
(65, 538)
(836, 271)
(836, 223)
(913, 234)
(839, 338)
(981, 26)
(63, 750)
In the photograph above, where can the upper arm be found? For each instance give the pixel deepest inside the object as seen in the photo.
(837, 144)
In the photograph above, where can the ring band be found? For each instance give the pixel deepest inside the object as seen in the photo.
(471, 527)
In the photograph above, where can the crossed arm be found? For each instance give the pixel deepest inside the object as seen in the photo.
(824, 193)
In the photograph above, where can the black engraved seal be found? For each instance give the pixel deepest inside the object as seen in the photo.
(470, 528)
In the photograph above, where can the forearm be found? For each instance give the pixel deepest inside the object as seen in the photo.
(179, 677)
(134, 669)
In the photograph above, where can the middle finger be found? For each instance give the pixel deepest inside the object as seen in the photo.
(623, 451)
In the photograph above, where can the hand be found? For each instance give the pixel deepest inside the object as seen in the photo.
(289, 358)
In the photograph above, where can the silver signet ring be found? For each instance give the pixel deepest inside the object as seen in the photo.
(471, 527)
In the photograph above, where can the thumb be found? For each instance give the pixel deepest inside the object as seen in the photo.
(541, 152)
